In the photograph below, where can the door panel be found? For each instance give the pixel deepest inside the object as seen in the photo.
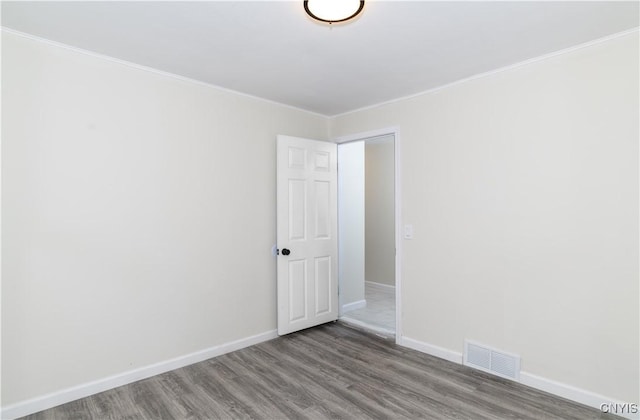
(297, 210)
(307, 228)
(297, 278)
(323, 212)
(323, 285)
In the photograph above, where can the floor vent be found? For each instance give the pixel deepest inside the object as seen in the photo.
(491, 360)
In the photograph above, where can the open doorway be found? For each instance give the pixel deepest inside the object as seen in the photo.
(367, 233)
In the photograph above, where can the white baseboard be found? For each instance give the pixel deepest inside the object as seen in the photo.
(347, 307)
(569, 392)
(581, 396)
(34, 405)
(442, 353)
(380, 286)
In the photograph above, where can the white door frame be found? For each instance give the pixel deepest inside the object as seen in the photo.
(395, 131)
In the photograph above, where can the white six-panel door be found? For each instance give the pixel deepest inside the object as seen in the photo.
(307, 233)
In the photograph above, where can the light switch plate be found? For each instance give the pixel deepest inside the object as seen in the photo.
(408, 231)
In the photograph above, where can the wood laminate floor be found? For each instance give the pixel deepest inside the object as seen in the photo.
(327, 372)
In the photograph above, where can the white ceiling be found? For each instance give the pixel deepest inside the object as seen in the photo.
(273, 51)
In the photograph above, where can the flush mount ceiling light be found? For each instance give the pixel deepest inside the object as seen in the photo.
(333, 11)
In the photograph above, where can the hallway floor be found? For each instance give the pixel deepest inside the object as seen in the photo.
(380, 313)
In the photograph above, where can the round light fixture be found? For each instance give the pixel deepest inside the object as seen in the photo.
(333, 11)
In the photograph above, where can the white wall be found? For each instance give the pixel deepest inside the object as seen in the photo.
(132, 201)
(138, 216)
(380, 241)
(522, 187)
(351, 221)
